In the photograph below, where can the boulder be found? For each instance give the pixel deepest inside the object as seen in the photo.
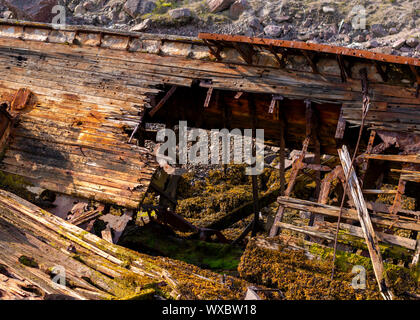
(133, 7)
(412, 42)
(393, 31)
(180, 13)
(89, 5)
(273, 30)
(148, 7)
(8, 14)
(142, 26)
(219, 5)
(35, 10)
(237, 8)
(372, 44)
(79, 9)
(359, 38)
(378, 30)
(398, 44)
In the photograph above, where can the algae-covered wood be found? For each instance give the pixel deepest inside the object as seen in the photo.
(36, 246)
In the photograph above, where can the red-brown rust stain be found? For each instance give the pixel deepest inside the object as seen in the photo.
(5, 96)
(21, 99)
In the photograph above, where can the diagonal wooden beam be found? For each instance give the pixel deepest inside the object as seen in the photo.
(214, 52)
(281, 61)
(163, 101)
(296, 166)
(246, 51)
(208, 97)
(365, 222)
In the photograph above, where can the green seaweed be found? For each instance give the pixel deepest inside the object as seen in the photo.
(28, 261)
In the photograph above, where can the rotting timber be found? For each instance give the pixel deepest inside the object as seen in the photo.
(75, 101)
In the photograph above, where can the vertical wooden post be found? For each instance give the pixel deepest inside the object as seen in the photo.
(254, 178)
(365, 164)
(282, 151)
(282, 159)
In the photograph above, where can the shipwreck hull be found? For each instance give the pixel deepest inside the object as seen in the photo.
(75, 101)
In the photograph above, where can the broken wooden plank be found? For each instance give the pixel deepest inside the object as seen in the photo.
(333, 211)
(95, 268)
(365, 222)
(411, 158)
(326, 231)
(379, 191)
(107, 235)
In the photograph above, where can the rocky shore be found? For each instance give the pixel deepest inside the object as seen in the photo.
(391, 27)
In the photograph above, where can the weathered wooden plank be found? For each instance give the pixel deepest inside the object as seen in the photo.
(411, 158)
(347, 213)
(365, 222)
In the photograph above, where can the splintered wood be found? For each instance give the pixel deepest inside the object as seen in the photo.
(37, 247)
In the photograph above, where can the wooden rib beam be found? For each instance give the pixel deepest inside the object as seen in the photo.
(378, 191)
(163, 101)
(246, 51)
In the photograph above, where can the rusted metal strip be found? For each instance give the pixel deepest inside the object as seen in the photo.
(364, 54)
